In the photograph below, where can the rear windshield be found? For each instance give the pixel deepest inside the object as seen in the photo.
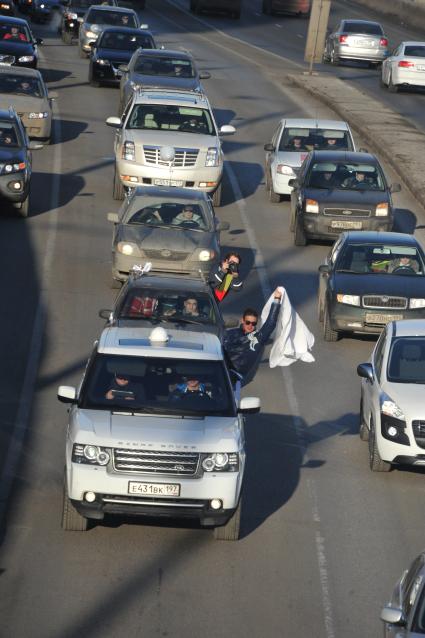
(368, 28)
(346, 176)
(21, 85)
(168, 67)
(406, 361)
(114, 18)
(125, 41)
(154, 385)
(179, 216)
(381, 258)
(415, 51)
(310, 139)
(154, 305)
(171, 118)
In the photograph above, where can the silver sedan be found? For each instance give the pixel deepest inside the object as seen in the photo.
(358, 40)
(405, 66)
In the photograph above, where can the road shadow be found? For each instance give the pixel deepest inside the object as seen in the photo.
(70, 130)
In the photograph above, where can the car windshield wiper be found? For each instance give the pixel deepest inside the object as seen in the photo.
(184, 320)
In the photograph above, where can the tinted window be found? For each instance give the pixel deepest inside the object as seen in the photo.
(125, 41)
(344, 176)
(114, 18)
(141, 303)
(368, 28)
(180, 216)
(20, 85)
(310, 139)
(415, 51)
(171, 118)
(168, 67)
(406, 362)
(157, 385)
(16, 33)
(382, 259)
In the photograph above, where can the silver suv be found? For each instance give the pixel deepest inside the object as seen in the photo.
(168, 138)
(155, 430)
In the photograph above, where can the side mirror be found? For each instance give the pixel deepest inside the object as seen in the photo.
(80, 20)
(34, 146)
(104, 313)
(53, 95)
(395, 188)
(39, 41)
(294, 183)
(112, 217)
(227, 129)
(269, 148)
(67, 394)
(249, 405)
(324, 269)
(204, 75)
(222, 226)
(392, 615)
(123, 68)
(143, 26)
(114, 121)
(92, 45)
(363, 150)
(365, 370)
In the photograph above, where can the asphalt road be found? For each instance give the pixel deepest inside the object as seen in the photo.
(324, 539)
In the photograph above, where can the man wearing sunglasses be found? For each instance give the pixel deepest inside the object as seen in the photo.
(243, 345)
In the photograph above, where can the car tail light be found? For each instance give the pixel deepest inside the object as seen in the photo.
(383, 42)
(342, 38)
(406, 64)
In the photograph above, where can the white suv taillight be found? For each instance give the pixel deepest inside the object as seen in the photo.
(128, 152)
(213, 156)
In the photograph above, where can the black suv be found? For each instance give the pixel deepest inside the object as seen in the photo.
(15, 161)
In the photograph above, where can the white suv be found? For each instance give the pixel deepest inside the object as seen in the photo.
(392, 412)
(168, 138)
(155, 430)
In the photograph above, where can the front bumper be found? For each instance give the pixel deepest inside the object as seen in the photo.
(193, 177)
(38, 128)
(7, 192)
(346, 318)
(106, 73)
(280, 183)
(357, 53)
(122, 264)
(318, 226)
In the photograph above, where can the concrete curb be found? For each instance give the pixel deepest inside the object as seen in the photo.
(388, 134)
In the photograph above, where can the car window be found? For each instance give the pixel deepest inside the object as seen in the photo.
(336, 250)
(310, 139)
(368, 28)
(9, 137)
(415, 51)
(171, 118)
(418, 624)
(21, 85)
(169, 67)
(114, 18)
(16, 33)
(180, 216)
(406, 360)
(125, 41)
(346, 176)
(140, 303)
(378, 354)
(157, 385)
(381, 259)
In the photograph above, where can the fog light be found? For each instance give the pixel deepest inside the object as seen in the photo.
(392, 431)
(216, 504)
(207, 184)
(134, 179)
(90, 497)
(17, 186)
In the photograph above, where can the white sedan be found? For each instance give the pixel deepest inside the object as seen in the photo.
(405, 66)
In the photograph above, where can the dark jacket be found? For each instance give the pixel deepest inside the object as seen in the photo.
(218, 283)
(243, 350)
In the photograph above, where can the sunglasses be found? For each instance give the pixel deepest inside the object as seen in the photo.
(250, 323)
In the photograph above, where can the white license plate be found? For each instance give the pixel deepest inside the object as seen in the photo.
(420, 67)
(168, 182)
(381, 318)
(153, 489)
(345, 225)
(365, 43)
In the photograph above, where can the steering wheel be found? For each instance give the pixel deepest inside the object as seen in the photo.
(189, 223)
(404, 270)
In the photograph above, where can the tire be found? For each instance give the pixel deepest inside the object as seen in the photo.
(320, 310)
(292, 221)
(230, 531)
(393, 88)
(328, 333)
(299, 235)
(363, 429)
(216, 198)
(67, 37)
(273, 196)
(72, 521)
(334, 59)
(376, 464)
(118, 193)
(23, 208)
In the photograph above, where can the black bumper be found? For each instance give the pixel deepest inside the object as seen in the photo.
(343, 317)
(319, 226)
(7, 192)
(104, 73)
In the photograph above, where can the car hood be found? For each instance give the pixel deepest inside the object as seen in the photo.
(163, 238)
(290, 158)
(24, 104)
(208, 434)
(379, 284)
(178, 139)
(16, 49)
(188, 84)
(408, 396)
(114, 54)
(345, 199)
(10, 155)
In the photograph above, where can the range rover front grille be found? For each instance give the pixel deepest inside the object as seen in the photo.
(155, 462)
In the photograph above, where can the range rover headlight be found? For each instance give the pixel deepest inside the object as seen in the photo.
(92, 35)
(220, 462)
(90, 454)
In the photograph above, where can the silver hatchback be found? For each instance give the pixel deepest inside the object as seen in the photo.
(359, 40)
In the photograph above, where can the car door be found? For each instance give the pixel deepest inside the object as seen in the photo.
(388, 64)
(324, 278)
(270, 155)
(120, 132)
(371, 389)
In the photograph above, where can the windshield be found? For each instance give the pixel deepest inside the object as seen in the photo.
(157, 385)
(346, 176)
(8, 135)
(381, 258)
(152, 304)
(310, 139)
(179, 216)
(125, 41)
(21, 85)
(114, 18)
(168, 67)
(16, 33)
(171, 118)
(368, 28)
(406, 361)
(415, 51)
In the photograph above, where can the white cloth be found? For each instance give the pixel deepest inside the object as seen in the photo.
(292, 340)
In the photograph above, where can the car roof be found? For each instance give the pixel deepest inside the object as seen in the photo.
(180, 345)
(13, 20)
(181, 97)
(345, 156)
(20, 71)
(338, 125)
(408, 328)
(367, 236)
(170, 282)
(173, 193)
(104, 7)
(166, 53)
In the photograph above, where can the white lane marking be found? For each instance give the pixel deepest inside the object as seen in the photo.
(279, 26)
(224, 35)
(20, 426)
(288, 382)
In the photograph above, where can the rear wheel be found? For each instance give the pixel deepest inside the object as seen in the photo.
(216, 198)
(334, 59)
(230, 531)
(72, 521)
(328, 333)
(375, 462)
(299, 237)
(118, 193)
(393, 88)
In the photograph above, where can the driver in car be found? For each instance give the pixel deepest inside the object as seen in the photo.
(403, 263)
(188, 217)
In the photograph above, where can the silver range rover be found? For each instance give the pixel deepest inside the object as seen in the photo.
(156, 430)
(168, 138)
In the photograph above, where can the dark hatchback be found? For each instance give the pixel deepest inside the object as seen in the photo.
(369, 279)
(336, 191)
(113, 49)
(17, 42)
(169, 301)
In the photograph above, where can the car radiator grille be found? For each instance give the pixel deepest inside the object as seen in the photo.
(183, 158)
(156, 462)
(346, 212)
(383, 301)
(169, 255)
(419, 432)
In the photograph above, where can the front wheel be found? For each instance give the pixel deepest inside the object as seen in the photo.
(328, 333)
(231, 530)
(273, 196)
(72, 521)
(118, 193)
(299, 238)
(216, 198)
(376, 464)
